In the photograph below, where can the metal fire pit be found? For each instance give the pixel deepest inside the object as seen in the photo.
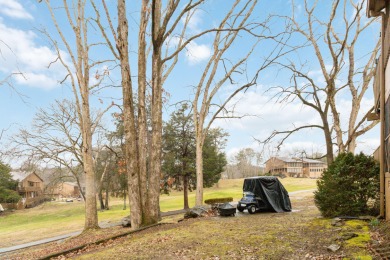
(226, 209)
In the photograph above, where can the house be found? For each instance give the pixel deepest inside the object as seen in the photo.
(63, 190)
(30, 187)
(381, 85)
(313, 168)
(295, 167)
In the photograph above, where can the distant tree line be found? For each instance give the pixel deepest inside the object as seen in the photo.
(246, 163)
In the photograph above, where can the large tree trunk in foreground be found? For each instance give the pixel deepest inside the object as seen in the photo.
(129, 120)
(143, 140)
(153, 204)
(91, 218)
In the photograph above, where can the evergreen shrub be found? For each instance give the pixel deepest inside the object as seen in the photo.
(349, 187)
(8, 196)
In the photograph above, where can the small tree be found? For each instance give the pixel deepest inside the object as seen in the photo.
(214, 161)
(350, 186)
(179, 154)
(6, 180)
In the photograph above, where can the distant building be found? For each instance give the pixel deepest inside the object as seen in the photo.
(295, 167)
(63, 190)
(30, 187)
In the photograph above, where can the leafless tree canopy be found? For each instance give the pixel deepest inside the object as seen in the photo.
(221, 71)
(332, 41)
(54, 138)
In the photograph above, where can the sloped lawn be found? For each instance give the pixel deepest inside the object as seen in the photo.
(300, 234)
(297, 235)
(58, 218)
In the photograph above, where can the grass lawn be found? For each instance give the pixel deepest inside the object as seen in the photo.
(57, 218)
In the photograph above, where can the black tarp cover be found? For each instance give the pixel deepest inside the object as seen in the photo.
(270, 190)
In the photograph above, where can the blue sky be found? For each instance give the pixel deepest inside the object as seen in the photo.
(25, 49)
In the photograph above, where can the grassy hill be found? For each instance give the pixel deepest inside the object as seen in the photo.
(57, 218)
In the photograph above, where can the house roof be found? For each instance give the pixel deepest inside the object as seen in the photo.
(20, 176)
(71, 183)
(292, 160)
(312, 161)
(284, 159)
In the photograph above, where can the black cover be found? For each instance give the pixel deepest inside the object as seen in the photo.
(226, 210)
(270, 190)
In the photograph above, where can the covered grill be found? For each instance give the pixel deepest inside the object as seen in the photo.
(227, 209)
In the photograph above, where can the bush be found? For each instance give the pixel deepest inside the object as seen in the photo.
(218, 200)
(9, 196)
(350, 186)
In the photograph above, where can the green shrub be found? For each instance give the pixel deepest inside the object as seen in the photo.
(350, 186)
(218, 200)
(8, 196)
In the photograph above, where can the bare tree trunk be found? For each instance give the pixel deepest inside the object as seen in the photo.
(328, 139)
(80, 188)
(352, 145)
(199, 172)
(124, 199)
(142, 116)
(131, 153)
(107, 198)
(91, 218)
(100, 196)
(153, 205)
(185, 190)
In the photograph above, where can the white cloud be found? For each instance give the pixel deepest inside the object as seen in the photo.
(13, 9)
(36, 80)
(197, 52)
(194, 21)
(21, 53)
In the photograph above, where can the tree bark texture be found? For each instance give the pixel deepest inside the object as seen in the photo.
(153, 203)
(185, 191)
(199, 172)
(129, 119)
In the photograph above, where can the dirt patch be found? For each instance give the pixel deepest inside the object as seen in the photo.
(301, 234)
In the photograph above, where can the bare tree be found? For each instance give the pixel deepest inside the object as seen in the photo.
(78, 47)
(143, 164)
(211, 83)
(245, 163)
(7, 80)
(336, 37)
(55, 139)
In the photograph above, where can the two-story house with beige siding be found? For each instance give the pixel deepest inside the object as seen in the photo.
(295, 167)
(30, 187)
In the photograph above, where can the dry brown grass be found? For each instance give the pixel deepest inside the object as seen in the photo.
(295, 235)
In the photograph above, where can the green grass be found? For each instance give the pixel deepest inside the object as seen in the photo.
(56, 218)
(229, 188)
